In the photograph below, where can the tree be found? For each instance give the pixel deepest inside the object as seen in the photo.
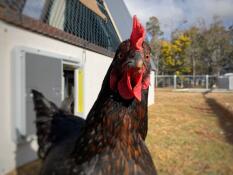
(198, 49)
(153, 29)
(194, 51)
(217, 47)
(211, 48)
(173, 55)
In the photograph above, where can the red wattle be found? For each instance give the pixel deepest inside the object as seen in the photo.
(146, 83)
(125, 88)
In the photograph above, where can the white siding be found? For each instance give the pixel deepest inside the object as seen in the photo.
(151, 89)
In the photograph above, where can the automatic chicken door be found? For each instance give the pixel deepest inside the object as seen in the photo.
(55, 75)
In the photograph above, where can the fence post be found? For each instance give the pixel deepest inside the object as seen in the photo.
(174, 81)
(207, 81)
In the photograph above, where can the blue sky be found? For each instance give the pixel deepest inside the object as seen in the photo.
(173, 13)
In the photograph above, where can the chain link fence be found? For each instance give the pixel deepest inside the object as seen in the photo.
(70, 16)
(186, 81)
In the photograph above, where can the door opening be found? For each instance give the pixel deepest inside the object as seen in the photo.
(69, 88)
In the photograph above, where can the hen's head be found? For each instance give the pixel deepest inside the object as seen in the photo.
(131, 65)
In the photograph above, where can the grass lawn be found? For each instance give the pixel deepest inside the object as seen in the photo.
(191, 133)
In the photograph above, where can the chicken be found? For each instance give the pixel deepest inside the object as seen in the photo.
(111, 140)
(54, 125)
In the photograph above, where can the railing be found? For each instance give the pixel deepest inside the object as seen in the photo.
(186, 81)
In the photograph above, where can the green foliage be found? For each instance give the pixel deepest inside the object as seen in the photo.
(210, 50)
(195, 50)
(215, 48)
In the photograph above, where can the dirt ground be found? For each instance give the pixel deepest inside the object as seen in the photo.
(189, 134)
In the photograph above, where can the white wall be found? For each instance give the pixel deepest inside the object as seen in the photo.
(94, 72)
(151, 97)
(11, 154)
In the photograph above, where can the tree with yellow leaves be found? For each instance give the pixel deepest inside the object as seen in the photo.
(173, 55)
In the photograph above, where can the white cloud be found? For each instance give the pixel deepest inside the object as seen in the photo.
(171, 13)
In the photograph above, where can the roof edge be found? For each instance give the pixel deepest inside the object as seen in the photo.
(12, 17)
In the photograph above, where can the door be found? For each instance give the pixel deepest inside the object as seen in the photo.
(44, 74)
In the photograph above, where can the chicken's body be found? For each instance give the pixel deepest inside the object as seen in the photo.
(112, 139)
(110, 143)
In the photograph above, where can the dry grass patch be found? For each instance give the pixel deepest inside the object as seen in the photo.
(188, 135)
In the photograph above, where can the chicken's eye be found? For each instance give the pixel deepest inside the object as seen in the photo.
(147, 57)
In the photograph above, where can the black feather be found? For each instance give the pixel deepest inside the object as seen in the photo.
(53, 125)
(110, 141)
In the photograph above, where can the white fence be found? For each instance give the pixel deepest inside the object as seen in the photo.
(186, 81)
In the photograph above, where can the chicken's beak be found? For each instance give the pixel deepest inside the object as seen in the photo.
(136, 61)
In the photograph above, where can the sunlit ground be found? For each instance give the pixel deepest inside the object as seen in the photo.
(189, 134)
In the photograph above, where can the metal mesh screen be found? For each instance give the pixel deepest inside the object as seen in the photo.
(72, 17)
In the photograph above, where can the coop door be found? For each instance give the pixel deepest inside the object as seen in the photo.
(56, 76)
(44, 74)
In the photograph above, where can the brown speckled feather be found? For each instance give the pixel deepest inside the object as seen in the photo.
(112, 145)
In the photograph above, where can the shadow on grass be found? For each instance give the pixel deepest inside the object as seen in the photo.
(225, 117)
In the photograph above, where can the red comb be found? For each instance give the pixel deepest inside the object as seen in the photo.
(138, 34)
